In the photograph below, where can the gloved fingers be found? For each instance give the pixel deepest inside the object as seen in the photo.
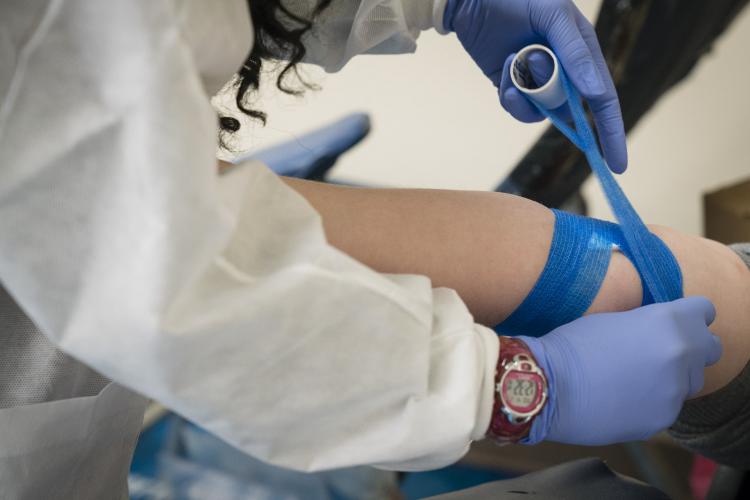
(697, 307)
(566, 40)
(608, 121)
(701, 310)
(592, 42)
(714, 350)
(575, 43)
(540, 66)
(606, 107)
(517, 105)
(513, 101)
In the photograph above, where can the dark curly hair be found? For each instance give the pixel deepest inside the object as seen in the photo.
(278, 36)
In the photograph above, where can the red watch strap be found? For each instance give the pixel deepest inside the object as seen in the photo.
(501, 428)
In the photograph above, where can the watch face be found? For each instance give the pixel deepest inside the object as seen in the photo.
(521, 391)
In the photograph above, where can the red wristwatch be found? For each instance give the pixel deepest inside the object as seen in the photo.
(520, 392)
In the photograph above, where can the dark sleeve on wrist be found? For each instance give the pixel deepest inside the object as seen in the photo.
(718, 425)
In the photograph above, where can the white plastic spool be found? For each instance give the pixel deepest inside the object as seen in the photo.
(551, 95)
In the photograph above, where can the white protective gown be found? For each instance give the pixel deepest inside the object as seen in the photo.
(218, 297)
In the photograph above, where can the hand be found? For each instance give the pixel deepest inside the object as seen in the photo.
(491, 31)
(619, 377)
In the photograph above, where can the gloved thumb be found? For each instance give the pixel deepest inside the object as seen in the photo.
(540, 66)
(513, 101)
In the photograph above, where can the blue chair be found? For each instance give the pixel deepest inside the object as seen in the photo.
(311, 156)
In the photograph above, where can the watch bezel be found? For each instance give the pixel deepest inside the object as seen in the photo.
(522, 363)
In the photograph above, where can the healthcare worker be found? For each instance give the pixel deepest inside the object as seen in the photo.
(130, 270)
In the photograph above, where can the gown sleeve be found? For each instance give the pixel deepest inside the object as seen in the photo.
(350, 27)
(217, 296)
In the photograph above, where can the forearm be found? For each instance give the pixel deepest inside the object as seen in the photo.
(477, 243)
(491, 248)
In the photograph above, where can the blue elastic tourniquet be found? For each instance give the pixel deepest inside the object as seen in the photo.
(578, 260)
(581, 247)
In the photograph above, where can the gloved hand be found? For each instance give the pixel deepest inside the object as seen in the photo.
(620, 377)
(491, 31)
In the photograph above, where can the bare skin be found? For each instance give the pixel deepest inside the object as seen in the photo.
(492, 247)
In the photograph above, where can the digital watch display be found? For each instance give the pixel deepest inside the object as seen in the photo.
(522, 389)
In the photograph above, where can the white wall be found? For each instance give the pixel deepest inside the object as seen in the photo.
(438, 123)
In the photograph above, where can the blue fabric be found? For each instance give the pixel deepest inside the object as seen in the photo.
(578, 260)
(657, 267)
(581, 247)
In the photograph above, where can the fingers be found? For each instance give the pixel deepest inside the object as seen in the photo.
(574, 41)
(606, 107)
(698, 305)
(608, 121)
(701, 309)
(541, 67)
(567, 42)
(714, 350)
(697, 314)
(711, 351)
(513, 101)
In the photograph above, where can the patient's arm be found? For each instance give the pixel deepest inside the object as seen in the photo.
(491, 248)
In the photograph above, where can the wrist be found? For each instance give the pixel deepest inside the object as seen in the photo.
(521, 393)
(543, 421)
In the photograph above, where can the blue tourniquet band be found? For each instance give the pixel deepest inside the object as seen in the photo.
(578, 260)
(581, 247)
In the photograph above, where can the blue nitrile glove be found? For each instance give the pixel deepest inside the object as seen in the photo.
(493, 30)
(619, 377)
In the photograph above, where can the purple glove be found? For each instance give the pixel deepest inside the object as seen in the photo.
(491, 31)
(620, 377)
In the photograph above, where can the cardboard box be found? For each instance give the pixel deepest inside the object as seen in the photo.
(727, 213)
